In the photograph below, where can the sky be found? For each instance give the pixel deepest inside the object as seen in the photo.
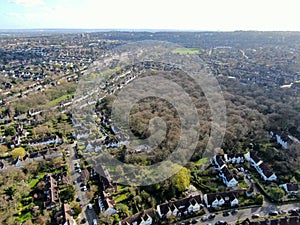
(202, 15)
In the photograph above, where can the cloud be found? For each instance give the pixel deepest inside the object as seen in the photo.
(27, 3)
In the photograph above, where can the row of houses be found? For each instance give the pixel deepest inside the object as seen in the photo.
(214, 200)
(220, 162)
(106, 202)
(183, 207)
(45, 141)
(63, 216)
(261, 167)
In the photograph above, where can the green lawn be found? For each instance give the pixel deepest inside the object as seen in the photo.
(33, 182)
(202, 161)
(60, 99)
(121, 198)
(25, 217)
(186, 51)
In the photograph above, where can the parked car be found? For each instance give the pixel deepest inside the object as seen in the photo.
(220, 222)
(78, 199)
(292, 211)
(212, 216)
(203, 218)
(90, 206)
(194, 221)
(225, 213)
(83, 220)
(84, 188)
(95, 222)
(281, 211)
(255, 215)
(273, 213)
(233, 212)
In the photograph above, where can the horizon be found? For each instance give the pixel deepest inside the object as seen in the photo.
(190, 15)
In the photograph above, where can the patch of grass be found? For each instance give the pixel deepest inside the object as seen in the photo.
(121, 198)
(33, 182)
(60, 99)
(25, 217)
(202, 161)
(186, 51)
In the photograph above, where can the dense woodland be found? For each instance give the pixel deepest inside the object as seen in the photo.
(251, 111)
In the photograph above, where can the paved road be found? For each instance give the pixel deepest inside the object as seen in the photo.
(87, 213)
(246, 213)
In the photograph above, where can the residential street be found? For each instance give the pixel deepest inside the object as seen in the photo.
(246, 213)
(87, 213)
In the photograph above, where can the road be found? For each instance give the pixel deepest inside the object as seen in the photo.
(243, 214)
(87, 213)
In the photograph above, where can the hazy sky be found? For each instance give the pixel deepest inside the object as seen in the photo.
(152, 14)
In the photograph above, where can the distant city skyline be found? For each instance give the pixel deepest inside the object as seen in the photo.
(198, 15)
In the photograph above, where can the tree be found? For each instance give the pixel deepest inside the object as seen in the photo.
(10, 131)
(276, 193)
(76, 209)
(181, 180)
(41, 185)
(124, 210)
(18, 152)
(67, 194)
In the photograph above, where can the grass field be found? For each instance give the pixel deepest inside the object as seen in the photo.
(60, 99)
(186, 51)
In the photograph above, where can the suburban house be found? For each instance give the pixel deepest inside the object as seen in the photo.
(64, 216)
(266, 173)
(290, 188)
(219, 161)
(51, 192)
(180, 207)
(234, 158)
(283, 138)
(107, 203)
(105, 181)
(227, 177)
(146, 217)
(214, 200)
(262, 168)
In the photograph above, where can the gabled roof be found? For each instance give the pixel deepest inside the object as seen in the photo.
(220, 160)
(226, 196)
(266, 170)
(292, 187)
(182, 204)
(227, 173)
(139, 217)
(254, 157)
